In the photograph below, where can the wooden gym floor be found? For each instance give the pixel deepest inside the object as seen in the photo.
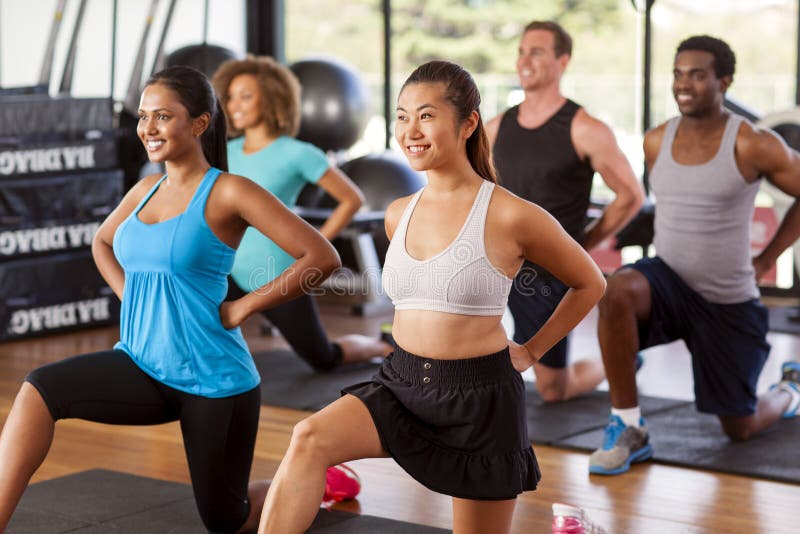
(651, 498)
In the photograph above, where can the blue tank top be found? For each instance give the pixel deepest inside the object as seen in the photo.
(175, 280)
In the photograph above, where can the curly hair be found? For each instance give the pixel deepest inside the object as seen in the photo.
(724, 59)
(280, 92)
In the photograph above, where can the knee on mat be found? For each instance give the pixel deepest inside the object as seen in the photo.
(219, 521)
(738, 432)
(551, 392)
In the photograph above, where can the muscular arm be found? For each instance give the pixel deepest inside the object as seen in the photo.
(543, 241)
(315, 258)
(595, 141)
(102, 250)
(349, 198)
(779, 164)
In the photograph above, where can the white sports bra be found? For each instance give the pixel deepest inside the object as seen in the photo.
(460, 279)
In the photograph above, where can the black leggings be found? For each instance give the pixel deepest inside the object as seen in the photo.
(299, 323)
(219, 435)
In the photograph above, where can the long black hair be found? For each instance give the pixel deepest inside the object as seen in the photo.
(197, 95)
(462, 93)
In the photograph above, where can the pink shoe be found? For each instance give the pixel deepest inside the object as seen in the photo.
(341, 484)
(572, 520)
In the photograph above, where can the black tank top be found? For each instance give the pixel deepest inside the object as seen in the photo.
(541, 165)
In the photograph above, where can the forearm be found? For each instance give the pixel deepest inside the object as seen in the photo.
(109, 268)
(612, 220)
(567, 315)
(787, 233)
(340, 217)
(306, 273)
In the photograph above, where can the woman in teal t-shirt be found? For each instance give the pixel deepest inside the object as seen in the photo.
(262, 100)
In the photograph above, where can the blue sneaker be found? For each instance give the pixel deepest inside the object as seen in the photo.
(623, 446)
(790, 379)
(639, 360)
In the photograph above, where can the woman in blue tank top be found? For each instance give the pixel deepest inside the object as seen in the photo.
(166, 251)
(262, 101)
(448, 405)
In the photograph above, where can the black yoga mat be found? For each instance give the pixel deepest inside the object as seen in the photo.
(289, 382)
(103, 502)
(551, 423)
(683, 436)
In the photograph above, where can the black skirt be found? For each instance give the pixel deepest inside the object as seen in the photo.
(457, 426)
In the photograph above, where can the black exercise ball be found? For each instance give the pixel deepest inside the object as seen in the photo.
(204, 57)
(382, 177)
(334, 104)
(790, 133)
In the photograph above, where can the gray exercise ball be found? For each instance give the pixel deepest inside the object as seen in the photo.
(334, 103)
(204, 57)
(382, 177)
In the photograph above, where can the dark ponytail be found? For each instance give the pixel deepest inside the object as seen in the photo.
(197, 95)
(462, 92)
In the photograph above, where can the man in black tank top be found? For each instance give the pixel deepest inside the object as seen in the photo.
(704, 167)
(546, 150)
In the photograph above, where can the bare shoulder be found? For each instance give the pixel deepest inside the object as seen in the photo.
(754, 143)
(509, 211)
(652, 142)
(141, 188)
(587, 126)
(492, 127)
(393, 213)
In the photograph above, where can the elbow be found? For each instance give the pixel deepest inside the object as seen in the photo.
(598, 286)
(330, 261)
(633, 200)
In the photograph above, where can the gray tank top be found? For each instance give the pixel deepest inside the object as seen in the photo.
(703, 216)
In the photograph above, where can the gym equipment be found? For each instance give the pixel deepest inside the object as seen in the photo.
(334, 103)
(35, 300)
(69, 67)
(58, 181)
(32, 158)
(68, 196)
(382, 177)
(38, 118)
(204, 57)
(131, 102)
(49, 51)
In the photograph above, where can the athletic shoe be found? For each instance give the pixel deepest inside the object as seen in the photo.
(623, 445)
(341, 484)
(573, 520)
(639, 361)
(790, 379)
(790, 372)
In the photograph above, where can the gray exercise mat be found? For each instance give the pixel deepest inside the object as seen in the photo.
(289, 382)
(107, 502)
(683, 436)
(551, 423)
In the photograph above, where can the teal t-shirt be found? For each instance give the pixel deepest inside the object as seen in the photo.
(283, 168)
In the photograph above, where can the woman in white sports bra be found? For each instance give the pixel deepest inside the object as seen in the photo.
(448, 404)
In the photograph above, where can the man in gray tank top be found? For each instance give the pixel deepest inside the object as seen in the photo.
(705, 167)
(546, 150)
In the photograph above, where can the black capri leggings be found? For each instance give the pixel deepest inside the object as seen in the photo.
(299, 323)
(218, 434)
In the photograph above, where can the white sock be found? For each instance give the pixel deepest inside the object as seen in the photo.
(629, 416)
(784, 386)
